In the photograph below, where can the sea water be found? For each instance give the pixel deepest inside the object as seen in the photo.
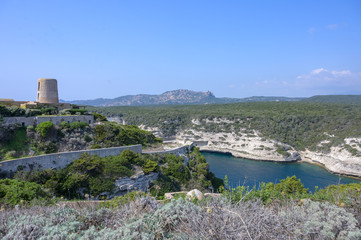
(251, 173)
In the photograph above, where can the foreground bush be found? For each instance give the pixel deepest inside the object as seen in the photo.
(13, 192)
(144, 218)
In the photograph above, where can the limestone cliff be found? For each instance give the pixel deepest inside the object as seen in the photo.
(250, 144)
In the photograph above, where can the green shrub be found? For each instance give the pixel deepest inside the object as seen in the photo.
(13, 192)
(99, 117)
(46, 147)
(49, 111)
(87, 138)
(43, 129)
(15, 111)
(95, 146)
(120, 201)
(132, 157)
(33, 112)
(150, 166)
(73, 112)
(78, 125)
(64, 125)
(291, 186)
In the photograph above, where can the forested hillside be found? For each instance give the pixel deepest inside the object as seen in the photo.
(299, 124)
(347, 99)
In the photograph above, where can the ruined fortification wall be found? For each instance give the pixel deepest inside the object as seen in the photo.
(58, 160)
(33, 121)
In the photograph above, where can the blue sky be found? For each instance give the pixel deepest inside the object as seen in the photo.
(232, 48)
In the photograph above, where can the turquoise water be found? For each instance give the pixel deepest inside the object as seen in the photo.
(251, 173)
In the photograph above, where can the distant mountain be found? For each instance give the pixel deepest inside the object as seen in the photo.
(175, 97)
(349, 99)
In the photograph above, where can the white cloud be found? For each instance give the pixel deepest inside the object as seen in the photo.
(332, 26)
(322, 78)
(342, 73)
(319, 81)
(318, 71)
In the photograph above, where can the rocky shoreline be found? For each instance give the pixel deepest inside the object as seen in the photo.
(254, 147)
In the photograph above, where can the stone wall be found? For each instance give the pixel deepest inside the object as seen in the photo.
(33, 121)
(180, 151)
(177, 151)
(58, 160)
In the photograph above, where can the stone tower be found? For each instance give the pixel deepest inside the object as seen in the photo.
(47, 91)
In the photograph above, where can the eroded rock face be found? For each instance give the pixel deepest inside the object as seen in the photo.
(138, 182)
(293, 157)
(74, 139)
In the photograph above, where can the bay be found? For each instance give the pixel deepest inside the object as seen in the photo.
(252, 172)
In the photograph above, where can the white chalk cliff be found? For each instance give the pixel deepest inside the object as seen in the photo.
(248, 143)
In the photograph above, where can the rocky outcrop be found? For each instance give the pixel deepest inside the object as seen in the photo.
(195, 194)
(246, 145)
(75, 139)
(293, 157)
(338, 160)
(137, 182)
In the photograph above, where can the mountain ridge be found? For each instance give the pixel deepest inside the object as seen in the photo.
(174, 97)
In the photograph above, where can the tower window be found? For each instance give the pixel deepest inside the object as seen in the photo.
(38, 86)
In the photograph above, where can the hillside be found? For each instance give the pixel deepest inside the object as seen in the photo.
(345, 99)
(300, 124)
(17, 141)
(175, 97)
(323, 133)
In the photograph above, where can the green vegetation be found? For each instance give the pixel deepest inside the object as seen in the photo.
(13, 192)
(14, 143)
(43, 129)
(87, 175)
(17, 141)
(99, 117)
(94, 175)
(120, 201)
(12, 111)
(110, 134)
(177, 176)
(137, 215)
(150, 166)
(346, 99)
(73, 112)
(300, 124)
(15, 111)
(77, 125)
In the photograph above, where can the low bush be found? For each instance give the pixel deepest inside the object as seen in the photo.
(118, 202)
(99, 117)
(73, 112)
(150, 166)
(78, 125)
(136, 217)
(43, 129)
(13, 192)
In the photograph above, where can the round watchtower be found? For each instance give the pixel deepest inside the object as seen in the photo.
(47, 91)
